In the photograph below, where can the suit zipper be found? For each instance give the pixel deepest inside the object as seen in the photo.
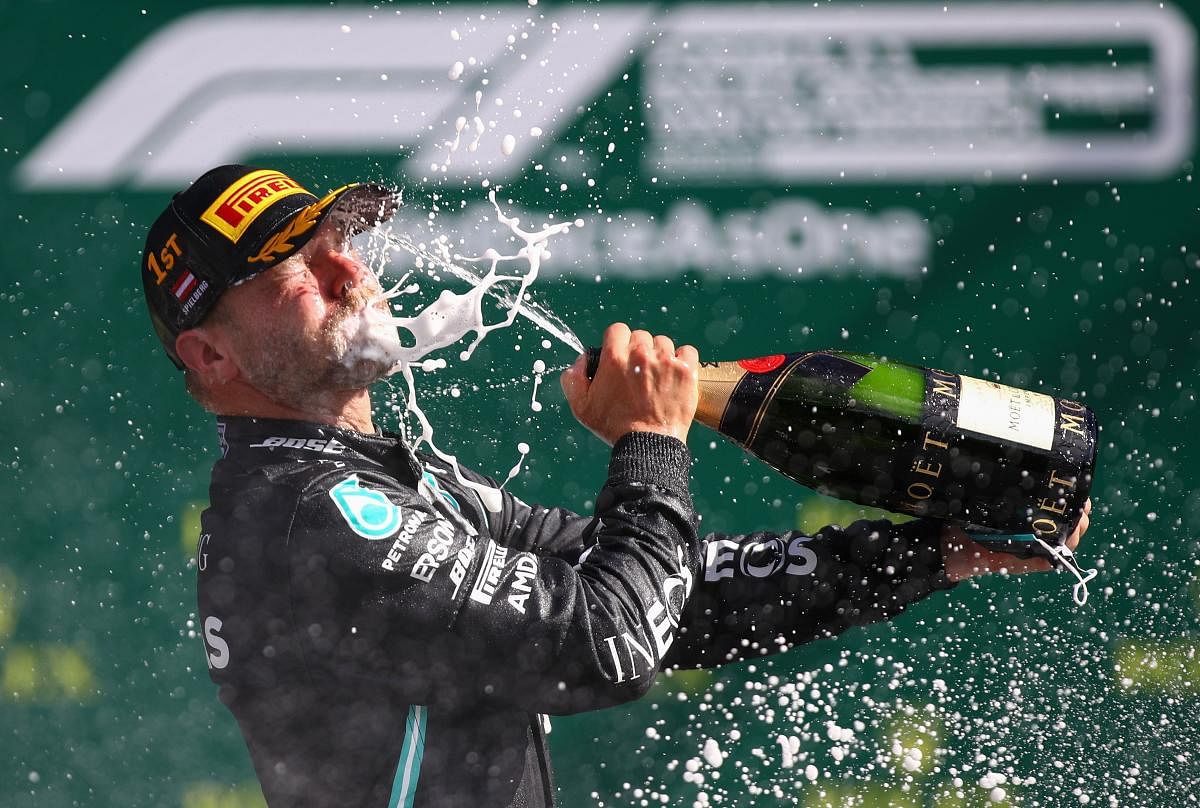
(543, 753)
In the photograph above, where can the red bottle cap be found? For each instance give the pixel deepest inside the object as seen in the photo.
(763, 364)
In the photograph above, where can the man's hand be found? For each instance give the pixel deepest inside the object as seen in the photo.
(643, 384)
(966, 558)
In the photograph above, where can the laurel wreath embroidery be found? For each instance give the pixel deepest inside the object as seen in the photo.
(281, 242)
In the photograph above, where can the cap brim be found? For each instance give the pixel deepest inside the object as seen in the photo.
(364, 206)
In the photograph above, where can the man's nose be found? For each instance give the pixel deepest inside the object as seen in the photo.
(337, 270)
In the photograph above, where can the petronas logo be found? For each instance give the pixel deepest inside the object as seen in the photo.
(369, 513)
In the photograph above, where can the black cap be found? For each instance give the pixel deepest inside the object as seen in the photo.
(231, 224)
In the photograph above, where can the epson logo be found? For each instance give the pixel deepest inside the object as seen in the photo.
(437, 550)
(331, 446)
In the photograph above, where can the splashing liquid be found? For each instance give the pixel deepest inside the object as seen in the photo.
(442, 260)
(539, 371)
(454, 315)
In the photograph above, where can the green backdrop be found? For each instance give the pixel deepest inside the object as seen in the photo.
(1004, 191)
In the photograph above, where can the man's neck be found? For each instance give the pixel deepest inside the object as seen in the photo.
(349, 409)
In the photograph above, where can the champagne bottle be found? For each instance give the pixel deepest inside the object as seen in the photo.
(1012, 465)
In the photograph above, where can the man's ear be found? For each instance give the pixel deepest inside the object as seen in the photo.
(204, 351)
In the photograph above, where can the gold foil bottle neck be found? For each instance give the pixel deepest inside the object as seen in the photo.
(717, 381)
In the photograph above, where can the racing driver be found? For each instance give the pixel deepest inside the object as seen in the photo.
(387, 632)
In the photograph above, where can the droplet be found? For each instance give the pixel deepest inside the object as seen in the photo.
(712, 753)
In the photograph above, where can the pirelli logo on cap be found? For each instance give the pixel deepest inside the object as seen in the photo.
(243, 201)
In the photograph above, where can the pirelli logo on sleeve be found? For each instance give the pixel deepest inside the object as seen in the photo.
(243, 201)
(488, 579)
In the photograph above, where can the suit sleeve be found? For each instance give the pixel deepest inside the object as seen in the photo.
(389, 588)
(534, 528)
(763, 593)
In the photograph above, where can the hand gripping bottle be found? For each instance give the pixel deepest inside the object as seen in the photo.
(1015, 467)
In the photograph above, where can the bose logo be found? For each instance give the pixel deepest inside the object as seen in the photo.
(331, 446)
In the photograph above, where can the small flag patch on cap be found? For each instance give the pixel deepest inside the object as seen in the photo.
(184, 286)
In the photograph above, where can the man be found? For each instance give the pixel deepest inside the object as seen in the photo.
(389, 632)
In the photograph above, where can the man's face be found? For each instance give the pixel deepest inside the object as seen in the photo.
(312, 326)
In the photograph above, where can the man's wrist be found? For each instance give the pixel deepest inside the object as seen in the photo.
(651, 457)
(679, 433)
(963, 556)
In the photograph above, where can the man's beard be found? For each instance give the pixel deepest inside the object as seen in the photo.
(357, 346)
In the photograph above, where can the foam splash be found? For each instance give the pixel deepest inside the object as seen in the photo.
(539, 371)
(440, 258)
(455, 315)
(523, 451)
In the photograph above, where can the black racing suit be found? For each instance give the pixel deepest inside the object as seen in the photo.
(384, 638)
